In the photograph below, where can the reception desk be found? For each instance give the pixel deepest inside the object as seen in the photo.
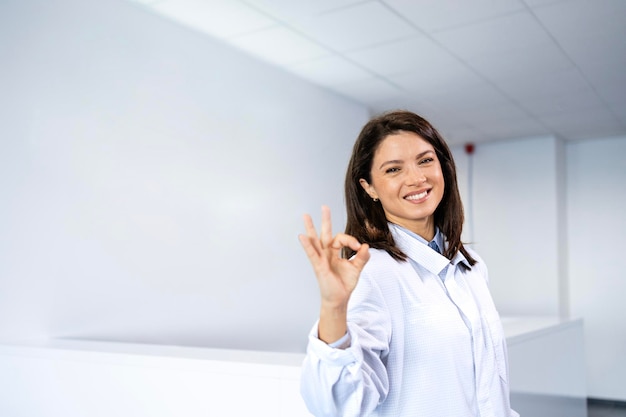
(77, 378)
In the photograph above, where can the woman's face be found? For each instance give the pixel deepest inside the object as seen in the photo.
(406, 177)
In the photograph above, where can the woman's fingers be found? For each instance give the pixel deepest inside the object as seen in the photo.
(341, 240)
(326, 234)
(361, 257)
(328, 247)
(308, 226)
(309, 247)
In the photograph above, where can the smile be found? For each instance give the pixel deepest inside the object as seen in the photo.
(417, 196)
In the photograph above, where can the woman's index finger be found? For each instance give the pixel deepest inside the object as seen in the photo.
(308, 226)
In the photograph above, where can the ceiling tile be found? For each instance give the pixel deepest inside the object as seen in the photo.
(537, 3)
(219, 18)
(522, 62)
(602, 62)
(459, 89)
(510, 129)
(496, 113)
(491, 37)
(434, 79)
(407, 102)
(566, 102)
(279, 45)
(485, 69)
(403, 56)
(148, 2)
(288, 9)
(434, 15)
(612, 95)
(584, 123)
(578, 19)
(620, 112)
(369, 90)
(591, 131)
(541, 85)
(370, 23)
(330, 71)
(462, 135)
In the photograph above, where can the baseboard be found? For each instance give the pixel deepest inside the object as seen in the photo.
(602, 401)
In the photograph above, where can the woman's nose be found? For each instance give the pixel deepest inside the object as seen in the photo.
(416, 176)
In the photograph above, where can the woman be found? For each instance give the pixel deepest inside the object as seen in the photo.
(407, 326)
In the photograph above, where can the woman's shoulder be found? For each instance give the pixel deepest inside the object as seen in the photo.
(382, 265)
(380, 258)
(379, 278)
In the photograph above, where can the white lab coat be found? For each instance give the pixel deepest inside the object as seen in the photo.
(424, 339)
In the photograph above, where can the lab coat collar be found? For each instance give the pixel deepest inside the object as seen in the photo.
(421, 252)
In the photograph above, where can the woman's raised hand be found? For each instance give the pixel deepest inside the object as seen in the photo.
(337, 277)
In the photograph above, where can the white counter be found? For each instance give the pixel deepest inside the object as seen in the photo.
(75, 378)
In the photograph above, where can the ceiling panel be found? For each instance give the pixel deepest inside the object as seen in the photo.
(330, 71)
(537, 3)
(459, 135)
(581, 121)
(515, 31)
(435, 15)
(521, 63)
(219, 18)
(280, 45)
(578, 19)
(455, 87)
(513, 129)
(370, 24)
(485, 69)
(372, 90)
(567, 102)
(406, 55)
(289, 10)
(501, 112)
(544, 85)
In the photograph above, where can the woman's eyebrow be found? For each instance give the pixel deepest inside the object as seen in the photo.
(399, 161)
(393, 161)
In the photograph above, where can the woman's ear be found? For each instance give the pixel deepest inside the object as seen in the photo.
(368, 189)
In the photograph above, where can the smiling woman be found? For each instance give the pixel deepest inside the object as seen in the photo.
(407, 325)
(406, 177)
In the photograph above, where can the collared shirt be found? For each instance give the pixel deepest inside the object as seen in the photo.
(424, 339)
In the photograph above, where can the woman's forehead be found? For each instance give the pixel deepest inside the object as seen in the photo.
(403, 142)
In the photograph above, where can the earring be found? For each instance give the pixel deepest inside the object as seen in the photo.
(375, 200)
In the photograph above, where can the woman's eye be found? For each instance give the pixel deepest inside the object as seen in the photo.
(426, 161)
(392, 170)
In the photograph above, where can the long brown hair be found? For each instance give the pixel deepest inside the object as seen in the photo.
(366, 218)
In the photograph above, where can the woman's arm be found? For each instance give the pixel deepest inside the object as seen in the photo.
(352, 381)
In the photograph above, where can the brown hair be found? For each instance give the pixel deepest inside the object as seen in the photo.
(366, 218)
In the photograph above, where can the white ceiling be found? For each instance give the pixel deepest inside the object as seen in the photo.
(478, 69)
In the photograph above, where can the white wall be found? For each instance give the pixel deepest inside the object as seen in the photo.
(513, 211)
(153, 181)
(549, 221)
(596, 193)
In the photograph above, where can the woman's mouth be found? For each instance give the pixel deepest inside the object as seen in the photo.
(417, 196)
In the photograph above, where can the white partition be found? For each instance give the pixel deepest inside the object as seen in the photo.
(97, 379)
(73, 378)
(547, 366)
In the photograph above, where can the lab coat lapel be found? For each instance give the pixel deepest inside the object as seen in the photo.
(420, 253)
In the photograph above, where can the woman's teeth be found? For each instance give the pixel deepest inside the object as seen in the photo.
(417, 196)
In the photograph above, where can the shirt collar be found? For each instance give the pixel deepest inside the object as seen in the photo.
(422, 253)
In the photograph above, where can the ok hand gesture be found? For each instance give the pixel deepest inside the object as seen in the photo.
(337, 277)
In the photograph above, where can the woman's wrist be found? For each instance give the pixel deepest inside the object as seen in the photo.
(333, 322)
